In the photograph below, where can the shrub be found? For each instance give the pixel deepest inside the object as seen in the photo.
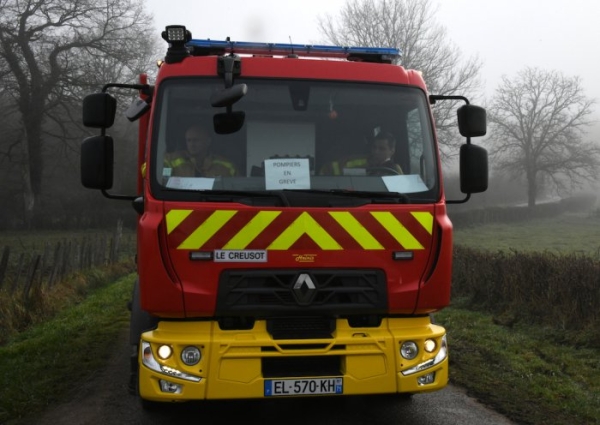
(561, 292)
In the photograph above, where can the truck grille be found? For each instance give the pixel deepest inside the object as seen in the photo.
(300, 327)
(323, 292)
(273, 367)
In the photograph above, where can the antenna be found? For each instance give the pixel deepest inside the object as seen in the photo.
(292, 54)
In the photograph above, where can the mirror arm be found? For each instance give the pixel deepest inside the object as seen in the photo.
(145, 88)
(435, 97)
(459, 201)
(228, 67)
(120, 197)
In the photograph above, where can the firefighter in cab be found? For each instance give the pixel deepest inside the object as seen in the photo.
(197, 160)
(382, 148)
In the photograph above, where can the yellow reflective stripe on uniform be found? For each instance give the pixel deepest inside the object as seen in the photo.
(250, 231)
(335, 168)
(225, 164)
(397, 230)
(177, 162)
(175, 217)
(425, 219)
(207, 229)
(354, 163)
(356, 230)
(304, 224)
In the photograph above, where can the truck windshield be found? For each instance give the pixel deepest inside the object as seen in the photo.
(297, 136)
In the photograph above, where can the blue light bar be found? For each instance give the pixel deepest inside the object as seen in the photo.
(376, 54)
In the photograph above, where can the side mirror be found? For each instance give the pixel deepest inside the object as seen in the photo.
(99, 110)
(228, 122)
(472, 121)
(473, 169)
(97, 157)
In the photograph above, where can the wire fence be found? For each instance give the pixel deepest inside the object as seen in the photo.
(26, 271)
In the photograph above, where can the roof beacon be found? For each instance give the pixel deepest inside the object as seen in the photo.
(364, 54)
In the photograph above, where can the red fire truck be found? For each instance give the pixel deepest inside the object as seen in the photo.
(300, 266)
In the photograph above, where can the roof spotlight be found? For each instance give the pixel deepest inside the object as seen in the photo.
(177, 36)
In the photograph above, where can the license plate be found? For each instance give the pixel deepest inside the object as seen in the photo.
(283, 387)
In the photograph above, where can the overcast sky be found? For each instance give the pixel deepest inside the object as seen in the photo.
(507, 35)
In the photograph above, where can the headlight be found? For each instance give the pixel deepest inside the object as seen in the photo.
(439, 357)
(443, 353)
(430, 345)
(148, 358)
(409, 350)
(149, 361)
(164, 352)
(191, 355)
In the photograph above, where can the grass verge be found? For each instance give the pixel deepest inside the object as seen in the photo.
(522, 372)
(42, 364)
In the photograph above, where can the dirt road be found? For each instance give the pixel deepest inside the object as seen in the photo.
(104, 399)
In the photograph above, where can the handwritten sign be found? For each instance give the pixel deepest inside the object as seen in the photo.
(287, 173)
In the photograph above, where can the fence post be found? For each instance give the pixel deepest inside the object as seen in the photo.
(18, 276)
(45, 258)
(31, 276)
(4, 264)
(82, 254)
(65, 263)
(114, 256)
(55, 265)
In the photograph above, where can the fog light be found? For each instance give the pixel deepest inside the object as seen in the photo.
(409, 350)
(169, 387)
(430, 345)
(164, 352)
(191, 355)
(426, 379)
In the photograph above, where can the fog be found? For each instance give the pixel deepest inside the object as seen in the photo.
(506, 36)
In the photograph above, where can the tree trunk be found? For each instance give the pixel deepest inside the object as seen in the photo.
(29, 198)
(33, 165)
(531, 188)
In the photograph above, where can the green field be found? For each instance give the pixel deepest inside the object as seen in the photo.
(527, 372)
(567, 233)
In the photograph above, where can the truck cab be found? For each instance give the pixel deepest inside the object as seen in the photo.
(284, 259)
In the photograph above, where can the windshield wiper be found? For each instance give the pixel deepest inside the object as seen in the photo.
(235, 195)
(375, 197)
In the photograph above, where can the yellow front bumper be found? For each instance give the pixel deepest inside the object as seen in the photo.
(232, 361)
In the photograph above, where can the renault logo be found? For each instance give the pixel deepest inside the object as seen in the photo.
(304, 289)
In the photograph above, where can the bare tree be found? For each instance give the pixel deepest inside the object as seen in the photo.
(538, 121)
(50, 51)
(410, 26)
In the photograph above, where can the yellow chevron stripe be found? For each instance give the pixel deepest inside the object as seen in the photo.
(175, 217)
(251, 230)
(397, 230)
(304, 224)
(426, 220)
(207, 229)
(356, 230)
